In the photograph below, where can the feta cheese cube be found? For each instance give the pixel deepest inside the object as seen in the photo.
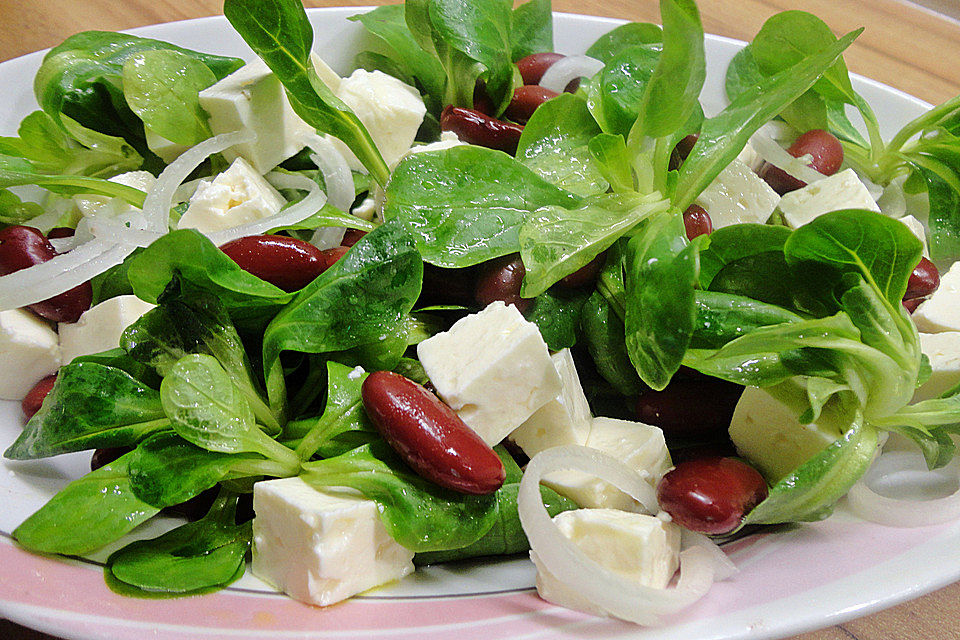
(749, 156)
(943, 350)
(252, 99)
(842, 190)
(768, 434)
(638, 445)
(641, 548)
(492, 368)
(236, 196)
(168, 150)
(391, 111)
(916, 227)
(321, 547)
(738, 195)
(100, 327)
(941, 311)
(89, 205)
(564, 420)
(29, 352)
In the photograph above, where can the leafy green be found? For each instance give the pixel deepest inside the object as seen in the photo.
(343, 411)
(280, 33)
(16, 171)
(616, 95)
(532, 29)
(614, 41)
(15, 211)
(603, 332)
(91, 406)
(556, 313)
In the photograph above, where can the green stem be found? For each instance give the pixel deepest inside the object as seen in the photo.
(272, 449)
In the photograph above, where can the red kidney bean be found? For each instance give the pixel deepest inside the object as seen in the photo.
(587, 274)
(22, 247)
(500, 279)
(32, 402)
(479, 129)
(911, 305)
(533, 66)
(285, 262)
(682, 150)
(690, 408)
(525, 101)
(429, 436)
(352, 237)
(822, 146)
(923, 281)
(711, 495)
(103, 457)
(329, 257)
(481, 99)
(697, 221)
(61, 232)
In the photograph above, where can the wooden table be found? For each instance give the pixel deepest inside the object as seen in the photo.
(904, 46)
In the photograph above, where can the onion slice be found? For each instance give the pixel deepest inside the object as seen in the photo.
(565, 70)
(905, 468)
(336, 172)
(603, 590)
(776, 155)
(286, 217)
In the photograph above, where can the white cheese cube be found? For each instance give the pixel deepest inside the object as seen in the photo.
(638, 445)
(492, 368)
(916, 227)
(29, 352)
(89, 205)
(842, 190)
(768, 434)
(564, 420)
(391, 111)
(99, 328)
(749, 156)
(738, 195)
(236, 196)
(941, 311)
(253, 99)
(168, 150)
(641, 548)
(321, 547)
(943, 350)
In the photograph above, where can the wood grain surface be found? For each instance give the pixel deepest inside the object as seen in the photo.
(905, 46)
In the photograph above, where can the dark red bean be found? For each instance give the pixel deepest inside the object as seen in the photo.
(923, 281)
(690, 408)
(822, 146)
(697, 221)
(500, 279)
(482, 101)
(352, 237)
(329, 257)
(447, 286)
(285, 262)
(476, 128)
(22, 247)
(32, 402)
(429, 436)
(711, 495)
(685, 146)
(911, 305)
(587, 274)
(61, 232)
(525, 101)
(103, 457)
(533, 66)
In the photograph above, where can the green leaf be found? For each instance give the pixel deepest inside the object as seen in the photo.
(15, 211)
(91, 406)
(343, 411)
(615, 100)
(723, 317)
(532, 29)
(418, 514)
(736, 242)
(557, 241)
(280, 33)
(15, 172)
(162, 88)
(613, 161)
(557, 314)
(465, 205)
(87, 514)
(603, 332)
(555, 144)
(616, 40)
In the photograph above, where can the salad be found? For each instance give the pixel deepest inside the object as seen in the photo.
(471, 300)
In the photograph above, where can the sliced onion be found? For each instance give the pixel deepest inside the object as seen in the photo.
(156, 207)
(565, 70)
(778, 157)
(599, 588)
(336, 172)
(289, 216)
(908, 469)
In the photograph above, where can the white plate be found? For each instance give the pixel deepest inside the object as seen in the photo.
(798, 579)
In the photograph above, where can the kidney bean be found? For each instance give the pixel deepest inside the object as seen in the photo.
(329, 257)
(352, 237)
(32, 402)
(22, 247)
(690, 408)
(923, 281)
(911, 305)
(61, 232)
(533, 66)
(481, 99)
(476, 128)
(711, 495)
(447, 286)
(525, 101)
(500, 279)
(822, 146)
(697, 221)
(285, 262)
(587, 274)
(103, 457)
(429, 436)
